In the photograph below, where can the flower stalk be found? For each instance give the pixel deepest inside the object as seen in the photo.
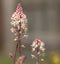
(37, 49)
(19, 28)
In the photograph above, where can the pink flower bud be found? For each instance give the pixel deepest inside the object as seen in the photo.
(37, 40)
(19, 8)
(19, 13)
(11, 55)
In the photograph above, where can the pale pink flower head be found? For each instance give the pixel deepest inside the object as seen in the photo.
(19, 21)
(18, 14)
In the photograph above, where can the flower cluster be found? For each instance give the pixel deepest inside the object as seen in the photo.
(38, 47)
(19, 21)
(37, 43)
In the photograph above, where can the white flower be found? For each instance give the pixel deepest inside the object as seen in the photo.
(42, 44)
(12, 30)
(36, 46)
(33, 44)
(26, 36)
(42, 59)
(43, 49)
(14, 23)
(33, 56)
(16, 39)
(23, 24)
(22, 46)
(33, 49)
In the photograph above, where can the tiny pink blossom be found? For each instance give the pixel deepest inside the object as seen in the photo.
(19, 9)
(37, 40)
(10, 55)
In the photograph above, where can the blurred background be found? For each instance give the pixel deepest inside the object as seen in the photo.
(43, 22)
